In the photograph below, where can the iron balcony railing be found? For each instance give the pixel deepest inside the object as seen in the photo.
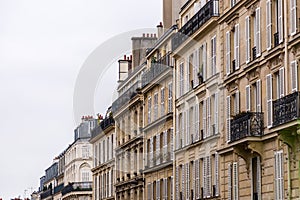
(77, 187)
(104, 124)
(245, 125)
(126, 97)
(46, 194)
(157, 68)
(209, 10)
(58, 188)
(286, 109)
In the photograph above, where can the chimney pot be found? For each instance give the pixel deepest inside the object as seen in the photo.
(147, 34)
(130, 57)
(124, 57)
(143, 34)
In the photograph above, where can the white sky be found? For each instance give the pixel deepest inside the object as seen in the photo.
(43, 44)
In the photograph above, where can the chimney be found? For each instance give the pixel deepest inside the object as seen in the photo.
(160, 30)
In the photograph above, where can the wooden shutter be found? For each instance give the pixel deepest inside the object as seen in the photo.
(279, 182)
(197, 177)
(187, 84)
(248, 39)
(228, 59)
(196, 68)
(204, 177)
(293, 17)
(177, 132)
(216, 109)
(258, 96)
(177, 191)
(216, 174)
(208, 132)
(183, 181)
(248, 98)
(237, 102)
(280, 21)
(269, 24)
(204, 118)
(258, 178)
(237, 46)
(188, 126)
(213, 55)
(157, 149)
(235, 179)
(257, 28)
(158, 189)
(269, 100)
(294, 76)
(149, 191)
(209, 177)
(187, 169)
(228, 118)
(281, 82)
(197, 122)
(204, 57)
(229, 175)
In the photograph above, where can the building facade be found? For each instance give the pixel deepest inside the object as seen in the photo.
(103, 140)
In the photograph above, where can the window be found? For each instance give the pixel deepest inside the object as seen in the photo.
(213, 55)
(233, 181)
(204, 118)
(196, 122)
(157, 149)
(170, 97)
(228, 59)
(293, 21)
(149, 110)
(269, 24)
(279, 185)
(85, 176)
(279, 18)
(85, 152)
(248, 39)
(280, 83)
(162, 101)
(257, 37)
(228, 118)
(206, 177)
(202, 63)
(187, 170)
(256, 178)
(195, 68)
(197, 178)
(177, 183)
(216, 179)
(236, 34)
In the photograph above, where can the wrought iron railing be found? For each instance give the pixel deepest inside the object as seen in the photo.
(209, 10)
(156, 69)
(104, 124)
(58, 188)
(46, 194)
(126, 97)
(77, 186)
(245, 125)
(286, 109)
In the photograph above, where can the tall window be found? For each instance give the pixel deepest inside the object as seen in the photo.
(149, 110)
(293, 17)
(162, 102)
(279, 185)
(170, 97)
(85, 152)
(181, 79)
(213, 55)
(155, 106)
(236, 35)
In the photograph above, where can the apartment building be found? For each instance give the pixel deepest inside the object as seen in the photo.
(258, 153)
(198, 109)
(157, 91)
(103, 140)
(128, 114)
(70, 177)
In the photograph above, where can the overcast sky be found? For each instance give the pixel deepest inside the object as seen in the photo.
(43, 44)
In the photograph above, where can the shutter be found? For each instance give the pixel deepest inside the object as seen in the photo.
(248, 98)
(187, 169)
(177, 193)
(257, 28)
(228, 61)
(151, 151)
(204, 61)
(269, 100)
(237, 102)
(217, 174)
(204, 118)
(213, 55)
(248, 40)
(280, 21)
(165, 188)
(157, 149)
(158, 189)
(208, 133)
(197, 186)
(237, 46)
(194, 179)
(171, 187)
(235, 181)
(209, 177)
(279, 182)
(196, 111)
(258, 96)
(281, 82)
(183, 124)
(293, 17)
(149, 191)
(294, 76)
(204, 176)
(216, 109)
(269, 24)
(187, 84)
(188, 126)
(258, 178)
(228, 118)
(177, 132)
(183, 181)
(229, 182)
(171, 143)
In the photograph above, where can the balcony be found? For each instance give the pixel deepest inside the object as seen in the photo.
(46, 194)
(209, 10)
(77, 187)
(58, 188)
(104, 124)
(248, 124)
(156, 69)
(126, 97)
(286, 109)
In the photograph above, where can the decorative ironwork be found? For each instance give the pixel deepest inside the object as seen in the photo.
(75, 187)
(156, 69)
(46, 194)
(245, 125)
(286, 109)
(126, 97)
(209, 10)
(58, 188)
(104, 124)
